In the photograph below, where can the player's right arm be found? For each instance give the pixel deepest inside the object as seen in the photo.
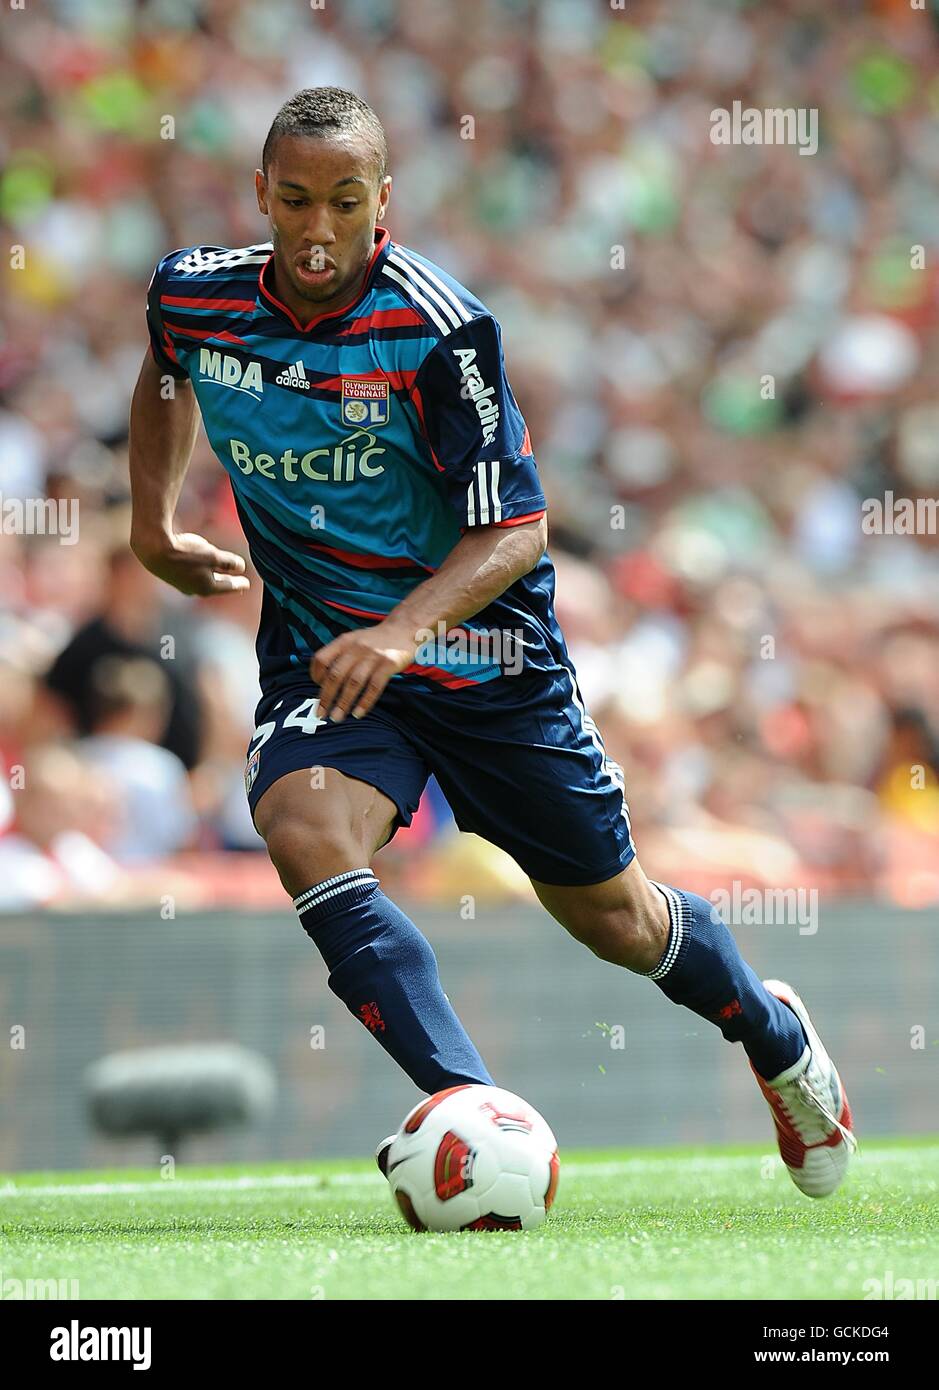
(163, 427)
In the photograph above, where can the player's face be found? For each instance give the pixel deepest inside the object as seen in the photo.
(323, 198)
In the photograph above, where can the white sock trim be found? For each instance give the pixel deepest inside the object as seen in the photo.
(675, 937)
(330, 887)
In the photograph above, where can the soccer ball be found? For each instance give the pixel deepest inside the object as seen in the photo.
(474, 1158)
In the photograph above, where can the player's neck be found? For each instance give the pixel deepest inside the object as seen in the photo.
(305, 310)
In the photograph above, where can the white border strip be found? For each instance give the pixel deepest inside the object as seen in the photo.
(600, 1168)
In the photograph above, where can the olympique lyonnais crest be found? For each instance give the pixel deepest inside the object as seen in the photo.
(365, 402)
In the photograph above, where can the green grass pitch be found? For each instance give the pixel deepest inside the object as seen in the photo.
(633, 1224)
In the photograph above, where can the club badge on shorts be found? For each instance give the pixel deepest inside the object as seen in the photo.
(251, 771)
(365, 402)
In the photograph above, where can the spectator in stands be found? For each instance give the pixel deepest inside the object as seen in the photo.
(133, 622)
(62, 812)
(129, 699)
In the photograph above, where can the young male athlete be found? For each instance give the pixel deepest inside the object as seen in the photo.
(356, 395)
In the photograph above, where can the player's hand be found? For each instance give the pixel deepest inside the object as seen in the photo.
(353, 670)
(193, 565)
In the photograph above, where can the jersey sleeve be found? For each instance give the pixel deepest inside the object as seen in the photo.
(164, 353)
(475, 430)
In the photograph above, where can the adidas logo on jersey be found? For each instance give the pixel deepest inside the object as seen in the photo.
(476, 390)
(294, 375)
(231, 371)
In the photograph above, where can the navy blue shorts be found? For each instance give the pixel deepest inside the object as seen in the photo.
(522, 766)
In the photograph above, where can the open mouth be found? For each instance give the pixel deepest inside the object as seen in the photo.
(323, 272)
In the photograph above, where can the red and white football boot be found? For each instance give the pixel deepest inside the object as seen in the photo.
(810, 1110)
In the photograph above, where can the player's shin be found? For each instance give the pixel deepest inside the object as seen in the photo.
(703, 969)
(385, 972)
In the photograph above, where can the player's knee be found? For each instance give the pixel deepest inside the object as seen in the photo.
(626, 936)
(305, 853)
(610, 935)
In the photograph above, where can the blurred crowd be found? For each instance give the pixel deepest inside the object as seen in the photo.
(721, 351)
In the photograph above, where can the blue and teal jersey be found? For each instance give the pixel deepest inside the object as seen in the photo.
(360, 446)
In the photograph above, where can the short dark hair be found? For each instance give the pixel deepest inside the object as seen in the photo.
(120, 683)
(321, 112)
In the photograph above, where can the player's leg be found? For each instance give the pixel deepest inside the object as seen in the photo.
(322, 833)
(623, 920)
(317, 834)
(534, 778)
(699, 966)
(679, 941)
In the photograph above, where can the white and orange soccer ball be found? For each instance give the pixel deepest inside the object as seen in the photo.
(474, 1158)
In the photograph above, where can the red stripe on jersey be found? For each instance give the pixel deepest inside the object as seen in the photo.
(419, 407)
(368, 562)
(359, 612)
(437, 673)
(399, 381)
(225, 337)
(170, 350)
(182, 302)
(381, 241)
(385, 318)
(517, 520)
(526, 442)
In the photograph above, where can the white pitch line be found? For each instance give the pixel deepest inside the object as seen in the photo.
(245, 1184)
(609, 1168)
(272, 1181)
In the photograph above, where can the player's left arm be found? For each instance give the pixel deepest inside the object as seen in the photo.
(354, 669)
(481, 448)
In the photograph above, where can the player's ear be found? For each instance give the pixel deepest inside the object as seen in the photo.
(260, 188)
(384, 193)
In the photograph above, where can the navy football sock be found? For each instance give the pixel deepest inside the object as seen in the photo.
(703, 969)
(385, 973)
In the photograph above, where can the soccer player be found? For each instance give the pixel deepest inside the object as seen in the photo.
(356, 395)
